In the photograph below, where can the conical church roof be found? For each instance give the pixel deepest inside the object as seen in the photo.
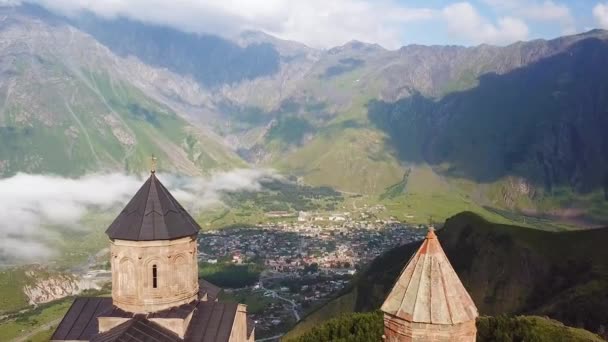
(429, 290)
(152, 214)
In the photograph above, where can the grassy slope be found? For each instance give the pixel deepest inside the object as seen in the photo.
(340, 305)
(428, 195)
(369, 327)
(24, 323)
(563, 275)
(11, 283)
(73, 126)
(346, 152)
(349, 159)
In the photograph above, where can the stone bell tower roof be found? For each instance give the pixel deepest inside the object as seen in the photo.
(429, 290)
(152, 214)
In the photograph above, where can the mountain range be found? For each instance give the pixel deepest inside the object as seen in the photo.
(516, 128)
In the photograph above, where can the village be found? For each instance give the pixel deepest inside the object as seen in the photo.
(304, 260)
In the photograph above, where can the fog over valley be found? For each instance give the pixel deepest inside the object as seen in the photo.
(33, 207)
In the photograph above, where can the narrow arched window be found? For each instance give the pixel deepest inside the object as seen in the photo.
(154, 276)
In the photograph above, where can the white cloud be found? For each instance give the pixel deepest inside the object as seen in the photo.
(540, 11)
(600, 13)
(33, 206)
(465, 22)
(548, 10)
(319, 23)
(29, 204)
(551, 11)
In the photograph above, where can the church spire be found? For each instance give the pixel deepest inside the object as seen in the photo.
(428, 300)
(152, 214)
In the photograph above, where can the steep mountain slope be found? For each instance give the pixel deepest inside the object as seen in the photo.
(67, 108)
(561, 275)
(542, 125)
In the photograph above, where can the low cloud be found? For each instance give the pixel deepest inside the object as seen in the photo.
(465, 22)
(318, 23)
(33, 206)
(600, 13)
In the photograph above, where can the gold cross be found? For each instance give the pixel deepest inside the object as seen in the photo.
(153, 164)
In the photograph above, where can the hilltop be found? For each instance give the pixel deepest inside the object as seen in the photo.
(562, 275)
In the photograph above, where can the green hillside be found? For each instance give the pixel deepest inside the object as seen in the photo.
(563, 275)
(367, 327)
(71, 116)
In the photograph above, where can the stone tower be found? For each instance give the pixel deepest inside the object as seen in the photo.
(153, 252)
(428, 302)
(156, 293)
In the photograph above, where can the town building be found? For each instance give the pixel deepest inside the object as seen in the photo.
(156, 293)
(428, 302)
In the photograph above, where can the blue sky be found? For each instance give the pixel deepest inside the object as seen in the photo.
(390, 23)
(544, 19)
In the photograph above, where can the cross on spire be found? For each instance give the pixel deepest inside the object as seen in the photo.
(153, 164)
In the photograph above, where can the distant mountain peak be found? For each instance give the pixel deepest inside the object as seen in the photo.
(356, 45)
(284, 46)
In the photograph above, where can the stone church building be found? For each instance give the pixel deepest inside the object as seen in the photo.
(428, 302)
(156, 293)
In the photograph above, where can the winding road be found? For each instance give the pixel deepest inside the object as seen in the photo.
(291, 302)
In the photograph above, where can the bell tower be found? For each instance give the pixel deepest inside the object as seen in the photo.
(153, 252)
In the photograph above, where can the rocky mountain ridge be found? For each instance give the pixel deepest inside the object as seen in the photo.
(370, 112)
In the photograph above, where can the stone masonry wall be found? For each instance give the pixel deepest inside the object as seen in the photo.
(132, 274)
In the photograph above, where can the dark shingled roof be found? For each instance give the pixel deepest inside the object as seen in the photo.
(138, 329)
(206, 288)
(152, 214)
(211, 322)
(80, 322)
(181, 311)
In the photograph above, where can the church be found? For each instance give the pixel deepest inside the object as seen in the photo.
(156, 293)
(428, 302)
